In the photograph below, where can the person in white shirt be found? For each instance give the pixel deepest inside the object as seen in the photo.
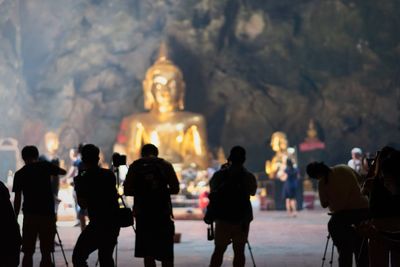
(356, 159)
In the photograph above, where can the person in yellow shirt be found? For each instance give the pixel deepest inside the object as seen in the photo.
(340, 192)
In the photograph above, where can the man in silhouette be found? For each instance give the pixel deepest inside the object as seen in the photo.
(96, 190)
(230, 207)
(10, 241)
(33, 181)
(339, 191)
(151, 181)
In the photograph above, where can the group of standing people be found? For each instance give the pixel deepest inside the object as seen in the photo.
(150, 180)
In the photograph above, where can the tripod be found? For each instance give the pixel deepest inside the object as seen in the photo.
(62, 250)
(326, 248)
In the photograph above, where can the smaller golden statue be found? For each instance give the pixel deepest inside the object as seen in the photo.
(275, 168)
(312, 141)
(52, 143)
(179, 135)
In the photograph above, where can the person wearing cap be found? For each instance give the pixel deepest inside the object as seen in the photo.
(355, 161)
(340, 192)
(230, 207)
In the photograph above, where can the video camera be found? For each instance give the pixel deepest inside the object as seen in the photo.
(118, 160)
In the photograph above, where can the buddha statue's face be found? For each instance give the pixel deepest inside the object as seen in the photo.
(165, 92)
(164, 88)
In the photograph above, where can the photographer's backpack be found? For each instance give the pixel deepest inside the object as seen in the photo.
(153, 188)
(231, 201)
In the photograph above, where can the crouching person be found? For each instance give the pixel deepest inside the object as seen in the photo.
(339, 191)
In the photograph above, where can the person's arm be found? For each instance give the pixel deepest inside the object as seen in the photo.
(17, 189)
(17, 203)
(80, 192)
(82, 201)
(215, 181)
(323, 196)
(251, 184)
(173, 182)
(60, 171)
(128, 183)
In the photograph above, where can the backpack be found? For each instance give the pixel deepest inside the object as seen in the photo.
(152, 196)
(230, 202)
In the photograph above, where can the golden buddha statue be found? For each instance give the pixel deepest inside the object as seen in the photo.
(276, 166)
(179, 135)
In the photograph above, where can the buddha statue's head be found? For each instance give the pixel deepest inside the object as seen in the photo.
(279, 142)
(163, 85)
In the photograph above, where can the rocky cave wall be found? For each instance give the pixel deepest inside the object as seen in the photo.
(251, 68)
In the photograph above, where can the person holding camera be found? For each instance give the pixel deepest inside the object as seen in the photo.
(96, 191)
(33, 181)
(339, 191)
(151, 180)
(383, 189)
(230, 207)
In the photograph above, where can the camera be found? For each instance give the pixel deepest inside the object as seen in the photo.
(118, 160)
(370, 162)
(210, 232)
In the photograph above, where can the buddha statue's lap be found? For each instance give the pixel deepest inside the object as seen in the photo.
(174, 136)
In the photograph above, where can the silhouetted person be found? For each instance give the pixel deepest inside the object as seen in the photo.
(355, 162)
(384, 206)
(151, 181)
(75, 169)
(339, 191)
(33, 181)
(10, 241)
(96, 190)
(291, 176)
(230, 207)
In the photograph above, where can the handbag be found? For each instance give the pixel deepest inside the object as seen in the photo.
(125, 215)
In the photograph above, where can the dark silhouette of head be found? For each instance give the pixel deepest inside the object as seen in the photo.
(316, 170)
(90, 154)
(237, 155)
(79, 149)
(30, 153)
(390, 168)
(55, 161)
(149, 150)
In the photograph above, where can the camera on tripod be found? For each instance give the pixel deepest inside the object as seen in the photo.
(118, 160)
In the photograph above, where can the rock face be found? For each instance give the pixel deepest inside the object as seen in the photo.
(251, 67)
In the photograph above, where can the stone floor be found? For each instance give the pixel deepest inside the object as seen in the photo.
(276, 240)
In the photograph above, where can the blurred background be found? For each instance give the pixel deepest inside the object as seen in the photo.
(251, 68)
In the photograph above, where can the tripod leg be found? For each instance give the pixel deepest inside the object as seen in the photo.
(333, 250)
(62, 248)
(360, 253)
(116, 254)
(326, 248)
(251, 253)
(52, 259)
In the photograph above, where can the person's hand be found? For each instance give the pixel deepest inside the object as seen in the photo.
(208, 219)
(366, 229)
